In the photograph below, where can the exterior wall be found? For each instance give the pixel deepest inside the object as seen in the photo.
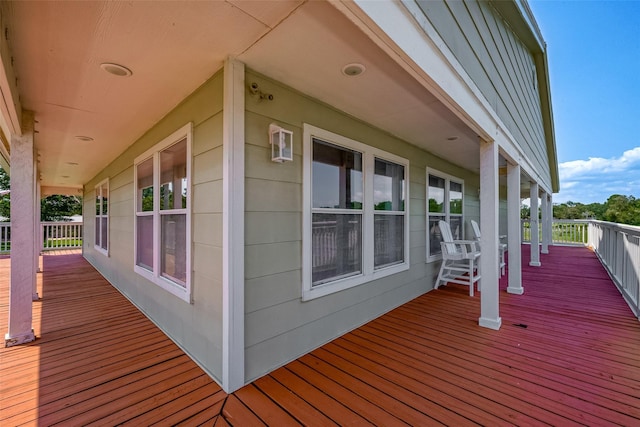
(196, 327)
(500, 65)
(279, 326)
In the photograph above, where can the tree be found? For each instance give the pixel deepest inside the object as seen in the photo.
(59, 208)
(53, 208)
(5, 199)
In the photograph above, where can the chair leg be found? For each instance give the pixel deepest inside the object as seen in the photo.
(471, 276)
(440, 275)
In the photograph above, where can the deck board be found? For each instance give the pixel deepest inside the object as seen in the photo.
(577, 361)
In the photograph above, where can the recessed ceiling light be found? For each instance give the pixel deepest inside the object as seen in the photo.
(116, 69)
(65, 176)
(452, 138)
(72, 163)
(353, 70)
(84, 138)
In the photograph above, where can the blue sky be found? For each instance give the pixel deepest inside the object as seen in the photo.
(594, 69)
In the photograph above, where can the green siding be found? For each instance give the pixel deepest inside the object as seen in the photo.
(500, 65)
(279, 326)
(196, 327)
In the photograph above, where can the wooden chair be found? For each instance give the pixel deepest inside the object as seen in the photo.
(459, 260)
(502, 247)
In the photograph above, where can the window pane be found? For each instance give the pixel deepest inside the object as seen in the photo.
(104, 233)
(388, 232)
(388, 186)
(434, 235)
(145, 186)
(455, 222)
(173, 176)
(336, 247)
(98, 202)
(337, 177)
(174, 249)
(98, 233)
(455, 197)
(144, 249)
(105, 200)
(436, 194)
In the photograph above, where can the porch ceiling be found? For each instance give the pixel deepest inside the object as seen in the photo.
(174, 47)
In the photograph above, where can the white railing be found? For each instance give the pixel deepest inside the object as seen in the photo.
(55, 235)
(618, 247)
(5, 237)
(564, 231)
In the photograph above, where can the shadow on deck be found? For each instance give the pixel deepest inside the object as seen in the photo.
(568, 353)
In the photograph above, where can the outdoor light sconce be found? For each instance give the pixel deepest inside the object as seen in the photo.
(281, 144)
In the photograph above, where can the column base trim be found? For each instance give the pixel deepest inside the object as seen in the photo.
(515, 291)
(10, 341)
(490, 323)
(535, 264)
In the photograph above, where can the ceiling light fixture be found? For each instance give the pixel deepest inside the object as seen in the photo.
(84, 138)
(452, 138)
(116, 69)
(352, 70)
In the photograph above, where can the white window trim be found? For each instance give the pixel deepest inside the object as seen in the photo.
(447, 205)
(101, 185)
(369, 273)
(155, 276)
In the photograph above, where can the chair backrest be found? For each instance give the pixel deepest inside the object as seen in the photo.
(445, 232)
(476, 229)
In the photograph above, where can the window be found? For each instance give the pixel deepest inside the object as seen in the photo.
(162, 235)
(355, 217)
(101, 236)
(444, 202)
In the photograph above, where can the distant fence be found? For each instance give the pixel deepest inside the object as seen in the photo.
(55, 235)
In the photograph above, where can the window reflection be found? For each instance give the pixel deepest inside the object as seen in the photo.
(337, 177)
(388, 186)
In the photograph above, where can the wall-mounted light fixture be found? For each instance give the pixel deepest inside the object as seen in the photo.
(281, 144)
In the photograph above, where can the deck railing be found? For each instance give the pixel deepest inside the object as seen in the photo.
(618, 247)
(55, 235)
(564, 231)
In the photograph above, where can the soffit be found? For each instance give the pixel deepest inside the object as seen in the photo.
(174, 47)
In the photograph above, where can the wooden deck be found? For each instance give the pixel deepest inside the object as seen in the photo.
(568, 353)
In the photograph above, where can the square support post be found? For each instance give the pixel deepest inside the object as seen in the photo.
(546, 223)
(23, 237)
(535, 226)
(233, 376)
(513, 229)
(489, 213)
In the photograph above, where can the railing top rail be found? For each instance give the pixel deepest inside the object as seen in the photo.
(630, 229)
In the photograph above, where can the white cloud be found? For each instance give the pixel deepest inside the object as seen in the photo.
(595, 179)
(575, 168)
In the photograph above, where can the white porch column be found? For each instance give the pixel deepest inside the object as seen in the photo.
(39, 237)
(233, 227)
(546, 235)
(513, 228)
(489, 196)
(23, 211)
(535, 238)
(36, 230)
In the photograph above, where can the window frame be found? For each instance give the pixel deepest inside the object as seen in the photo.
(155, 275)
(448, 179)
(97, 243)
(369, 271)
